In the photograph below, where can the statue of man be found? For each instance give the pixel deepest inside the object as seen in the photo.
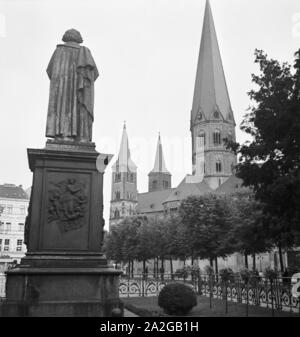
(72, 72)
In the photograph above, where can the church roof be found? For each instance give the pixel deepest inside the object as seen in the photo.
(233, 184)
(124, 162)
(152, 201)
(211, 93)
(159, 165)
(185, 190)
(10, 191)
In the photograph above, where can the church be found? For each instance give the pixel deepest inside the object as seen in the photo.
(212, 121)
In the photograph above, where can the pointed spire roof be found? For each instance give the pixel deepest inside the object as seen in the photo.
(124, 162)
(159, 165)
(211, 93)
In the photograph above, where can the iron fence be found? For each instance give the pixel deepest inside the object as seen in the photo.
(274, 294)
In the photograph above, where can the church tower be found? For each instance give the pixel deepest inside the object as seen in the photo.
(212, 118)
(159, 177)
(124, 184)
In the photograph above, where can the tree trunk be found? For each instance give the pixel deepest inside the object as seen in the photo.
(246, 261)
(211, 262)
(254, 261)
(144, 266)
(132, 268)
(129, 268)
(171, 266)
(216, 266)
(280, 258)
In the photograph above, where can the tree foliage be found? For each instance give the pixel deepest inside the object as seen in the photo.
(270, 162)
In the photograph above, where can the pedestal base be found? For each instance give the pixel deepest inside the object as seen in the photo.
(61, 292)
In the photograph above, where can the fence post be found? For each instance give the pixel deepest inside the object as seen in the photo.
(210, 291)
(226, 299)
(247, 299)
(272, 297)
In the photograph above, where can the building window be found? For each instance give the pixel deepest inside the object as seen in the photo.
(1, 225)
(19, 249)
(19, 242)
(8, 226)
(130, 177)
(9, 209)
(22, 210)
(117, 195)
(165, 184)
(217, 137)
(6, 248)
(117, 177)
(117, 214)
(218, 166)
(154, 184)
(216, 114)
(174, 209)
(21, 227)
(202, 138)
(6, 242)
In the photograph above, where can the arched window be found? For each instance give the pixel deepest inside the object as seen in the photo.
(217, 137)
(117, 195)
(117, 214)
(216, 114)
(154, 184)
(165, 184)
(218, 166)
(202, 137)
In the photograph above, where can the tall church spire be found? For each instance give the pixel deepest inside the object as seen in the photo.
(124, 162)
(124, 184)
(159, 177)
(211, 93)
(212, 118)
(159, 165)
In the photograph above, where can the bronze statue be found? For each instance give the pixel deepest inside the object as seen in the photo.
(72, 72)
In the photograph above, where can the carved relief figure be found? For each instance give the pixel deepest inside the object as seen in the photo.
(67, 205)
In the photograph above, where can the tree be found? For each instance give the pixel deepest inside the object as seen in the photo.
(270, 162)
(247, 235)
(206, 219)
(112, 245)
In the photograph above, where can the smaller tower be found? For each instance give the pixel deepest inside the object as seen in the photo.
(159, 177)
(124, 184)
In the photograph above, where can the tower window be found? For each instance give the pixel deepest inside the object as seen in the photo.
(216, 115)
(202, 138)
(165, 184)
(118, 195)
(217, 137)
(154, 184)
(116, 214)
(218, 166)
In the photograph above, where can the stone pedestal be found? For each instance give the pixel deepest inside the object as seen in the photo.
(63, 272)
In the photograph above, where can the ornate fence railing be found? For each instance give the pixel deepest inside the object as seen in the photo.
(275, 294)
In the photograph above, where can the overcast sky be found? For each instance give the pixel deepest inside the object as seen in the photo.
(146, 52)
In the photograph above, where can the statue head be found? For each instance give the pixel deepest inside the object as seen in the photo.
(72, 35)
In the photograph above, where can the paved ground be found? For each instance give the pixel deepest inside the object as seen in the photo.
(129, 314)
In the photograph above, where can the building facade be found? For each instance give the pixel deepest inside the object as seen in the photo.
(13, 203)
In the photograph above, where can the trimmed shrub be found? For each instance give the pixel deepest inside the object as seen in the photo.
(177, 299)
